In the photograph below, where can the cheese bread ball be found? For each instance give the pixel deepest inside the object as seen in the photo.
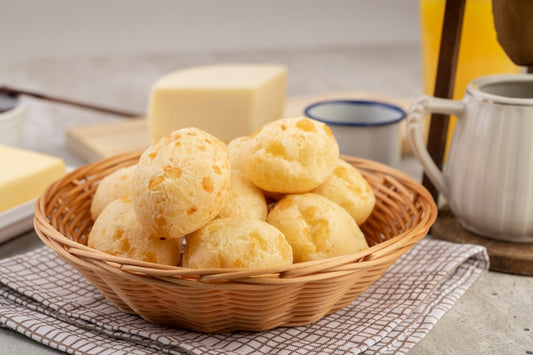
(117, 231)
(237, 242)
(115, 185)
(349, 188)
(245, 199)
(291, 155)
(182, 182)
(237, 149)
(316, 227)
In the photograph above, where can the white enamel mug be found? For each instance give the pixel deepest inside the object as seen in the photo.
(363, 129)
(487, 179)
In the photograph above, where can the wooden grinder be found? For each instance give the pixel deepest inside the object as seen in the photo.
(514, 28)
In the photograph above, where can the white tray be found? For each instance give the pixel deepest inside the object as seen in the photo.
(16, 220)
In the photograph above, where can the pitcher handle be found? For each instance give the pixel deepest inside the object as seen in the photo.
(421, 107)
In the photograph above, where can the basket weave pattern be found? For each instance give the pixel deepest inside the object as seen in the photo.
(221, 300)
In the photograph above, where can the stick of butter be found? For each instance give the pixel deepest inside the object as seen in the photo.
(227, 101)
(25, 174)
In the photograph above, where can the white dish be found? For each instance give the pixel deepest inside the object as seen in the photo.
(16, 220)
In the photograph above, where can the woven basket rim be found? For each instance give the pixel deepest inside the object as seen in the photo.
(77, 252)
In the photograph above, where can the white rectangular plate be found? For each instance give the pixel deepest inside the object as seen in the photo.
(16, 220)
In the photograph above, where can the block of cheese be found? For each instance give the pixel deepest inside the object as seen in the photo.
(228, 100)
(25, 174)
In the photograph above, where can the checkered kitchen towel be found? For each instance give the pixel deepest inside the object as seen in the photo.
(45, 299)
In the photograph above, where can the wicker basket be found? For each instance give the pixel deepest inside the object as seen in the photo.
(221, 300)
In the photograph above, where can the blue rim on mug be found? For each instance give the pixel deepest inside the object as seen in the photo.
(400, 111)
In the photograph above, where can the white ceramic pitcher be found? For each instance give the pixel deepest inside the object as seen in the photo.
(488, 176)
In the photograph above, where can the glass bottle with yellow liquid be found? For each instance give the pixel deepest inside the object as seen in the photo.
(479, 51)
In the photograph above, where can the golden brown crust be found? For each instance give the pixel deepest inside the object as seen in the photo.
(117, 231)
(236, 242)
(245, 199)
(316, 227)
(347, 187)
(238, 148)
(181, 183)
(113, 186)
(291, 155)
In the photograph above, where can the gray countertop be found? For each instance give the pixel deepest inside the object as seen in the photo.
(495, 316)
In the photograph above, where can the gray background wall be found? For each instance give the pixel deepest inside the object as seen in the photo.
(35, 28)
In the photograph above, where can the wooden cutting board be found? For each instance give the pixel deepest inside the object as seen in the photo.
(514, 258)
(99, 141)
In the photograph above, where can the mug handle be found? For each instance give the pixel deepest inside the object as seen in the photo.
(421, 107)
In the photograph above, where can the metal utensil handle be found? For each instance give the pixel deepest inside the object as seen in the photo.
(16, 92)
